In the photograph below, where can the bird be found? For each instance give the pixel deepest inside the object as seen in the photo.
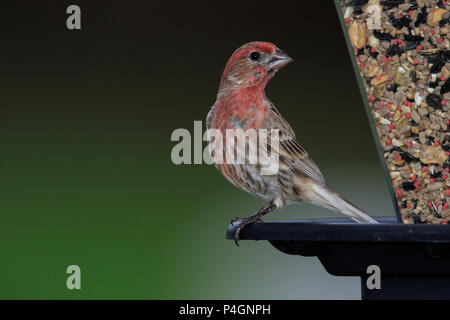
(241, 103)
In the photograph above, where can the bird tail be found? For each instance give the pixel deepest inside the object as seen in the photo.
(324, 196)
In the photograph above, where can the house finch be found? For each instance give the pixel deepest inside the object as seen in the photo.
(242, 104)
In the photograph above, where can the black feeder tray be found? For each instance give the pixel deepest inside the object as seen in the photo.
(413, 259)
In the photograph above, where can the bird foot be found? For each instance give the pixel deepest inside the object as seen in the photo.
(243, 222)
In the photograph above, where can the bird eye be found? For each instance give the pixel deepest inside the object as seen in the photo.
(254, 56)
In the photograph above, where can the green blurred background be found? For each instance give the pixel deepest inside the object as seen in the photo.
(85, 171)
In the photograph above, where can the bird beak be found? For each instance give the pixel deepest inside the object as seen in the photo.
(279, 59)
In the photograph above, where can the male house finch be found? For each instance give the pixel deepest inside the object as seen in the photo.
(242, 104)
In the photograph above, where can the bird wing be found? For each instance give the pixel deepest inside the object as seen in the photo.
(290, 149)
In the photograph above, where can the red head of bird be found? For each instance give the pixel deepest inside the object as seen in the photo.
(252, 65)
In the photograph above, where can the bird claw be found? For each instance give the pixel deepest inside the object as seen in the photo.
(243, 222)
(236, 219)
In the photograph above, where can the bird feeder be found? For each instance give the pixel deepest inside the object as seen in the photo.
(396, 47)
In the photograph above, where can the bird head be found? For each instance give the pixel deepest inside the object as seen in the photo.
(253, 64)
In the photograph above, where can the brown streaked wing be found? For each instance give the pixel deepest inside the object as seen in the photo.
(290, 149)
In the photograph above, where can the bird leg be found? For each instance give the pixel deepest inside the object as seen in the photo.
(250, 219)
